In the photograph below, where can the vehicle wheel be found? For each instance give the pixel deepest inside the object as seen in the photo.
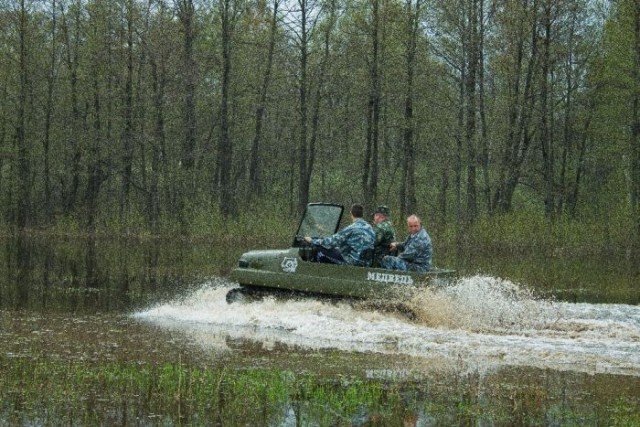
(245, 294)
(235, 295)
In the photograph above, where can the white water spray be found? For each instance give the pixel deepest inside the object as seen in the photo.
(480, 321)
(482, 304)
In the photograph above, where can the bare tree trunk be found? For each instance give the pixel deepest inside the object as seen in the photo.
(156, 150)
(522, 102)
(548, 157)
(127, 135)
(442, 196)
(255, 182)
(484, 138)
(409, 202)
(471, 109)
(158, 76)
(458, 137)
(46, 142)
(182, 187)
(568, 142)
(315, 118)
(24, 195)
(304, 175)
(293, 207)
(95, 173)
(187, 14)
(225, 146)
(72, 60)
(634, 138)
(370, 170)
(572, 197)
(3, 138)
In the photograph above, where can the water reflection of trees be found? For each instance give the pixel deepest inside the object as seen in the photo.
(93, 275)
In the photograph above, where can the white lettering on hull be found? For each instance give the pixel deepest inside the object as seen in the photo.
(401, 279)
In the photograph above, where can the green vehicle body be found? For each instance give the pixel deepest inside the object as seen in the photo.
(291, 269)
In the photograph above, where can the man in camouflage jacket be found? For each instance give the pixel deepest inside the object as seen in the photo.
(385, 234)
(348, 245)
(414, 253)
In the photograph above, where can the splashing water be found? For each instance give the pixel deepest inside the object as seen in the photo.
(480, 321)
(481, 304)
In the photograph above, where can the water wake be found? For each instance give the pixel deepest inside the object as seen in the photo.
(482, 304)
(481, 321)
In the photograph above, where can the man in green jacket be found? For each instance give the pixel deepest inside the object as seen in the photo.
(385, 234)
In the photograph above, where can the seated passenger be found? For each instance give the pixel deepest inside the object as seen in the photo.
(348, 245)
(414, 254)
(385, 234)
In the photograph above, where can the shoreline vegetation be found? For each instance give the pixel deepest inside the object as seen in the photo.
(585, 260)
(516, 232)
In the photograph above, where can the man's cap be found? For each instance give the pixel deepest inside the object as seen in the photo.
(382, 210)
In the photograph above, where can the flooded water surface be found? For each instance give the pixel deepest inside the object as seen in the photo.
(141, 334)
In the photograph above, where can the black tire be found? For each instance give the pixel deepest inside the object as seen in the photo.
(235, 295)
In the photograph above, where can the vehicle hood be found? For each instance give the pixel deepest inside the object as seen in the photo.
(259, 258)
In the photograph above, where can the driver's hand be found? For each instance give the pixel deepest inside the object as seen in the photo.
(307, 239)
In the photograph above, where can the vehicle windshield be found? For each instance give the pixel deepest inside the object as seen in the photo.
(320, 220)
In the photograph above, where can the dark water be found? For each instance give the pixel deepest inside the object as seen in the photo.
(96, 332)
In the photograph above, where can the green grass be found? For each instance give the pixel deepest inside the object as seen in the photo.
(58, 392)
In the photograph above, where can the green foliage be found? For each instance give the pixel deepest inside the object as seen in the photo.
(528, 231)
(117, 138)
(625, 412)
(597, 229)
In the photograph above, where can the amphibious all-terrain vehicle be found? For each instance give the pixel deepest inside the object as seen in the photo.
(292, 271)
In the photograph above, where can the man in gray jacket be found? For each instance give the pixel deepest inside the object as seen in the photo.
(414, 254)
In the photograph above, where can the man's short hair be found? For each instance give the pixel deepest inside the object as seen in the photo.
(357, 210)
(414, 217)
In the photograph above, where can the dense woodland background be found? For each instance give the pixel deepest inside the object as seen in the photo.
(165, 115)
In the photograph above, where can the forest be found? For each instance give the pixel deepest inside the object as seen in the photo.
(162, 115)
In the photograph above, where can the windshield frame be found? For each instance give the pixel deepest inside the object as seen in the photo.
(319, 220)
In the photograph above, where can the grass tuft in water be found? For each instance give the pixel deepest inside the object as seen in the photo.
(55, 392)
